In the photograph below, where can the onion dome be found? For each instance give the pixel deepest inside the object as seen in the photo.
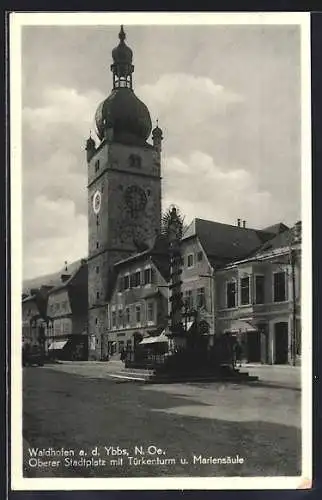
(90, 143)
(157, 137)
(122, 54)
(126, 115)
(90, 147)
(157, 132)
(122, 112)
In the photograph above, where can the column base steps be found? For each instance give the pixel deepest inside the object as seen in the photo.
(150, 377)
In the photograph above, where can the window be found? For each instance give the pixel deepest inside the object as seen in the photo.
(231, 294)
(259, 289)
(120, 317)
(97, 220)
(97, 244)
(188, 299)
(150, 312)
(96, 321)
(135, 161)
(97, 269)
(132, 280)
(190, 260)
(136, 279)
(126, 282)
(113, 319)
(201, 299)
(97, 165)
(97, 295)
(127, 315)
(199, 256)
(138, 313)
(244, 291)
(147, 276)
(120, 283)
(279, 287)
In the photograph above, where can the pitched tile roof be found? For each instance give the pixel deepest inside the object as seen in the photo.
(278, 228)
(72, 275)
(53, 279)
(224, 242)
(281, 240)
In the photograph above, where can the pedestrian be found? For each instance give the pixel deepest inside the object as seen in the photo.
(238, 353)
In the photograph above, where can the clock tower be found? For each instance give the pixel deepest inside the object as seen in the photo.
(124, 190)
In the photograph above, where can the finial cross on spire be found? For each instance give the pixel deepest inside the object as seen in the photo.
(122, 34)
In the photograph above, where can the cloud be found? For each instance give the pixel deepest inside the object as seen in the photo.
(62, 106)
(186, 104)
(58, 234)
(203, 189)
(194, 111)
(55, 178)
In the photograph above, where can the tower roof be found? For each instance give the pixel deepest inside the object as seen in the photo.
(122, 111)
(122, 54)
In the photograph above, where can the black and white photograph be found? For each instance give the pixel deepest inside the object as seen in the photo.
(161, 239)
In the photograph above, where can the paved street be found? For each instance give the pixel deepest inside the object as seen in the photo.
(195, 426)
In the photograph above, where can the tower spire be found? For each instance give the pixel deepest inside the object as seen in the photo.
(122, 34)
(122, 67)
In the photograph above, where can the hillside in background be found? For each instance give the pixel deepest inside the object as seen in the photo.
(50, 279)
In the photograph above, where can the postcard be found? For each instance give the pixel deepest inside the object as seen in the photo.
(161, 247)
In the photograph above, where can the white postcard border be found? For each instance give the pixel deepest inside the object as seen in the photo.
(17, 21)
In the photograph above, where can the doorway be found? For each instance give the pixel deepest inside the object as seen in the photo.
(253, 347)
(281, 343)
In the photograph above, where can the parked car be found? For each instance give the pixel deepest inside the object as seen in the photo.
(32, 355)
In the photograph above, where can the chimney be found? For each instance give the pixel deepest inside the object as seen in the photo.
(238, 222)
(244, 223)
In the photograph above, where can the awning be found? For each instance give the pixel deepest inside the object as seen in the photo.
(154, 340)
(238, 325)
(57, 345)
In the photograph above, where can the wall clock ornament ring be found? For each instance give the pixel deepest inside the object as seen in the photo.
(97, 199)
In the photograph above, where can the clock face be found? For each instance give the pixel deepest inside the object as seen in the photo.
(97, 202)
(135, 198)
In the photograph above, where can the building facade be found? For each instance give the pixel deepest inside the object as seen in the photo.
(139, 302)
(34, 304)
(259, 301)
(124, 189)
(66, 317)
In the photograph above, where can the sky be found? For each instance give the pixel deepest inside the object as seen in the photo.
(228, 99)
